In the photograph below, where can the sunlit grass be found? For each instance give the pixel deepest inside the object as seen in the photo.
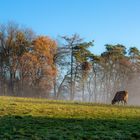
(28, 118)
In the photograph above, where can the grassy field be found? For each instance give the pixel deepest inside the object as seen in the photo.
(40, 119)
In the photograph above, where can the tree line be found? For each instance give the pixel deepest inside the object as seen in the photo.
(37, 66)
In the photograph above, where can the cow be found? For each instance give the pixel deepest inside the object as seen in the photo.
(120, 96)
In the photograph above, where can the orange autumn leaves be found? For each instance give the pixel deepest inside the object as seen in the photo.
(38, 65)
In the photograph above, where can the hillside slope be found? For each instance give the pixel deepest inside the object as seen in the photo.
(40, 119)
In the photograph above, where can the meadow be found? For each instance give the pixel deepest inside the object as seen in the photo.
(42, 119)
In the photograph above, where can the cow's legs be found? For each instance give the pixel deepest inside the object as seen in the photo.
(125, 102)
(118, 102)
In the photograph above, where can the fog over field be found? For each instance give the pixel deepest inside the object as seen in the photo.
(134, 91)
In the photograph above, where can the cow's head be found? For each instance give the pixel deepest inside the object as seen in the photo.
(113, 102)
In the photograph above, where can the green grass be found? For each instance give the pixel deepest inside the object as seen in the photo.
(41, 119)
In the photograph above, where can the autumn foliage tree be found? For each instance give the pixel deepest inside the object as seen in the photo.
(27, 61)
(38, 64)
(13, 44)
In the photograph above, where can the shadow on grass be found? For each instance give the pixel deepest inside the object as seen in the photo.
(43, 128)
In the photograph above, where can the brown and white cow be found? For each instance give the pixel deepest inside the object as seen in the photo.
(120, 96)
